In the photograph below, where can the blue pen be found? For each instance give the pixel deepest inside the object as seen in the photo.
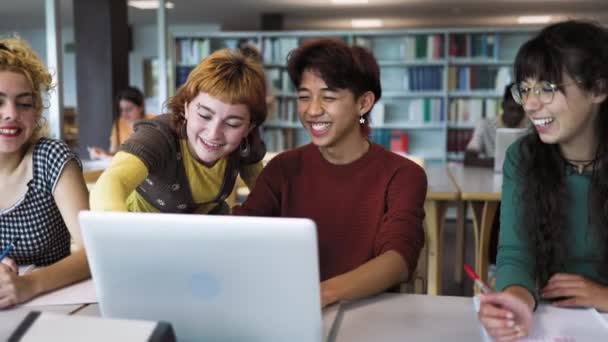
(8, 249)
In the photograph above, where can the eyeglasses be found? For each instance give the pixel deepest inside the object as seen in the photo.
(544, 91)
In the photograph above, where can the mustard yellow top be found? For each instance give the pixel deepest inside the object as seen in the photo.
(125, 129)
(115, 188)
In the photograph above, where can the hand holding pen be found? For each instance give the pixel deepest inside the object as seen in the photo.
(6, 251)
(14, 289)
(475, 278)
(504, 315)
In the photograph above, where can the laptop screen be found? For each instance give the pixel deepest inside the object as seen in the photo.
(504, 138)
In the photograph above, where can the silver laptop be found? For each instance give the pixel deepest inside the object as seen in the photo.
(214, 278)
(504, 138)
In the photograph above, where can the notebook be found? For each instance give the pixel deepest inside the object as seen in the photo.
(504, 138)
(562, 324)
(214, 278)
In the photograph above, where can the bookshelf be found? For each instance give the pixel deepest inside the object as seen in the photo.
(436, 83)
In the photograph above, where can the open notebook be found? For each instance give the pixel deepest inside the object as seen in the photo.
(559, 324)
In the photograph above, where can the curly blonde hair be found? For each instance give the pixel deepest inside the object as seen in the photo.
(17, 56)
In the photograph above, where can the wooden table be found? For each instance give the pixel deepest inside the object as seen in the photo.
(441, 191)
(480, 188)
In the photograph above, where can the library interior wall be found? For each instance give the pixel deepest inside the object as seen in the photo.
(37, 39)
(144, 46)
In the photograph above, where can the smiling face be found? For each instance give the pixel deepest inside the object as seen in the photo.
(17, 111)
(215, 128)
(570, 119)
(331, 116)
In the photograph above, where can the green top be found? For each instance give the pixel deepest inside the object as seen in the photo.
(515, 264)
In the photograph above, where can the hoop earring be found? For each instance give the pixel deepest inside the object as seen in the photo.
(361, 120)
(40, 123)
(246, 149)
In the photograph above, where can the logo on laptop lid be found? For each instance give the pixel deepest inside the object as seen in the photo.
(203, 285)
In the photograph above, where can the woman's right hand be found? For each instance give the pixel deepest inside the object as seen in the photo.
(505, 316)
(11, 264)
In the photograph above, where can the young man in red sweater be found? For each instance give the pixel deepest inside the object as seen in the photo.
(367, 202)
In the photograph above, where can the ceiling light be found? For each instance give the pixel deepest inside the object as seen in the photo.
(534, 19)
(366, 23)
(349, 2)
(149, 4)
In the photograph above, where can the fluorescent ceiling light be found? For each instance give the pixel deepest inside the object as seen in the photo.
(534, 19)
(366, 23)
(149, 4)
(348, 2)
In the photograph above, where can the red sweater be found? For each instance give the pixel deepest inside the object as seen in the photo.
(362, 209)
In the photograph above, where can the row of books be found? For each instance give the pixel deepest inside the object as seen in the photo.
(278, 140)
(419, 78)
(392, 140)
(484, 77)
(275, 50)
(279, 80)
(471, 111)
(404, 48)
(458, 139)
(190, 51)
(283, 110)
(411, 111)
(475, 45)
(181, 74)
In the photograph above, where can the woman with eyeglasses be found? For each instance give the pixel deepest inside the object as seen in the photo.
(553, 242)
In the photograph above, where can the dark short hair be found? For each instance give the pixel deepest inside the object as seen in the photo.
(339, 65)
(131, 94)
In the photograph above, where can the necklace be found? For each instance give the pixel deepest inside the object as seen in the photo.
(579, 165)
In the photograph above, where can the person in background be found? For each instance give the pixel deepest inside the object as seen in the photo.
(249, 49)
(367, 202)
(41, 184)
(131, 108)
(480, 150)
(553, 241)
(188, 160)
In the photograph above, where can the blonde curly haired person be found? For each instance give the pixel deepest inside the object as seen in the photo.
(41, 182)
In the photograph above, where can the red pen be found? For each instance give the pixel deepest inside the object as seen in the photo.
(475, 278)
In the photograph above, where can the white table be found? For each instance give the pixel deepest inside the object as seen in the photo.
(384, 318)
(406, 317)
(397, 317)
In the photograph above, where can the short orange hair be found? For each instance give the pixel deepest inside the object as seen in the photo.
(230, 77)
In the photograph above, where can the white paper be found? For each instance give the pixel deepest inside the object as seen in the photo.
(78, 293)
(561, 324)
